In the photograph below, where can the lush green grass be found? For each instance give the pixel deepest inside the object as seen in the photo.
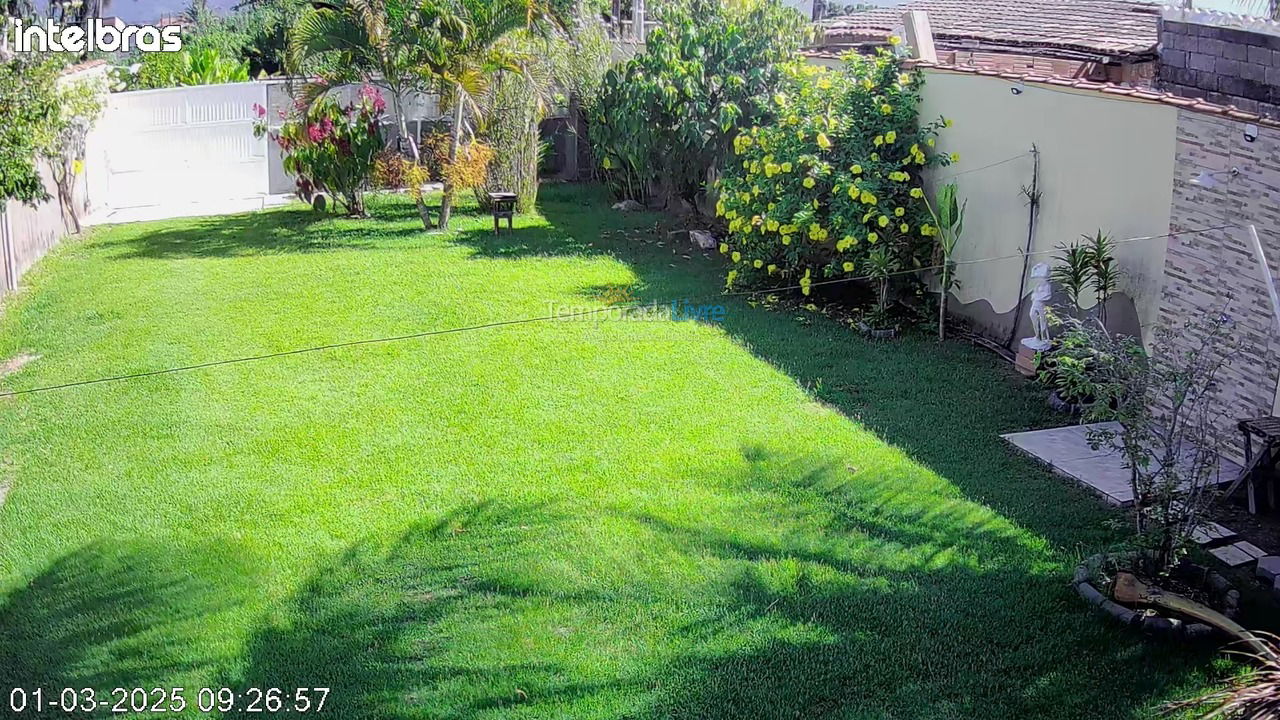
(765, 518)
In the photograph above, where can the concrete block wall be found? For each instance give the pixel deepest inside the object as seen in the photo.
(1224, 59)
(1218, 269)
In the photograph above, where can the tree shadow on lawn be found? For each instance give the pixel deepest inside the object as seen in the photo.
(116, 614)
(792, 592)
(944, 404)
(292, 229)
(797, 595)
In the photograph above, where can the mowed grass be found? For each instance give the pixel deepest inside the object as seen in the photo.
(768, 517)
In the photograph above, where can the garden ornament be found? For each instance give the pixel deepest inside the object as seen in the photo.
(1040, 297)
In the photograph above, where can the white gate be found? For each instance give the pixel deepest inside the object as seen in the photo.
(178, 151)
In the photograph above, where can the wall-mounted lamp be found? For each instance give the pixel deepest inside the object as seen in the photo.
(1210, 180)
(1250, 132)
(1016, 89)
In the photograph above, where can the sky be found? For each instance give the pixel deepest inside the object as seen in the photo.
(144, 11)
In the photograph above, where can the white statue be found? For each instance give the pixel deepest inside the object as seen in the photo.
(1040, 297)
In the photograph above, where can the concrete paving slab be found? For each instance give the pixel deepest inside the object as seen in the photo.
(1232, 556)
(1212, 532)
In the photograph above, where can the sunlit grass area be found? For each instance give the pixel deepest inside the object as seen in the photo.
(768, 517)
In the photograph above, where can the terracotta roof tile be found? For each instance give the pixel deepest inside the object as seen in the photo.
(1193, 104)
(1101, 27)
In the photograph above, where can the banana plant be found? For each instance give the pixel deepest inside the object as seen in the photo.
(948, 217)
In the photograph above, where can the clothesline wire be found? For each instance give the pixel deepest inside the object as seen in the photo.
(546, 318)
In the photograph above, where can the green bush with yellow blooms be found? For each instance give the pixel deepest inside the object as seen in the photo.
(837, 177)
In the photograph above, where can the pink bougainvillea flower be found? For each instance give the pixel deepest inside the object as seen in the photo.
(315, 133)
(259, 110)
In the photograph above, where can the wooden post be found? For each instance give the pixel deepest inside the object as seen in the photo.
(919, 35)
(570, 170)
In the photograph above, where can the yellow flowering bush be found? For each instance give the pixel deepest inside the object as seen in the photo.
(806, 198)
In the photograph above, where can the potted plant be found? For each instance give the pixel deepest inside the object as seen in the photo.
(880, 266)
(1159, 412)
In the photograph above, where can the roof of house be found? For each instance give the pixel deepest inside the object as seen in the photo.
(1091, 27)
(1140, 94)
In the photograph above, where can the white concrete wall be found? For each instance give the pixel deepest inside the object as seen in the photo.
(1105, 163)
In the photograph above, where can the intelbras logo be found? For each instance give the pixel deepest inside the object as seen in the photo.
(94, 35)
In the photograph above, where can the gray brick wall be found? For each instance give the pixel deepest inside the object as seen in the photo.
(1222, 65)
(1212, 269)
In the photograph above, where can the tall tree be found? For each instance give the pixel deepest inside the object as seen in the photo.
(399, 45)
(465, 78)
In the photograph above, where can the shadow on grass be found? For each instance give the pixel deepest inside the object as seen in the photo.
(944, 404)
(115, 614)
(811, 605)
(292, 229)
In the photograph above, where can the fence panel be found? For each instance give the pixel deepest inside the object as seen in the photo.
(180, 146)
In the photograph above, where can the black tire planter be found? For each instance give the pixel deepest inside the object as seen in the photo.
(1088, 579)
(1057, 403)
(877, 333)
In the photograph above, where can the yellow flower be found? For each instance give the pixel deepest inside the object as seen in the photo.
(878, 141)
(872, 237)
(780, 99)
(891, 136)
(930, 142)
(719, 208)
(904, 227)
(883, 221)
(917, 193)
(946, 122)
(758, 263)
(927, 230)
(823, 141)
(848, 267)
(736, 256)
(724, 248)
(894, 40)
(899, 212)
(786, 167)
(77, 166)
(771, 224)
(786, 239)
(772, 268)
(856, 169)
(886, 109)
(729, 280)
(805, 282)
(904, 79)
(866, 83)
(809, 182)
(875, 157)
(845, 243)
(955, 157)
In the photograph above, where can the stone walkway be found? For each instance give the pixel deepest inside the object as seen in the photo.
(1066, 450)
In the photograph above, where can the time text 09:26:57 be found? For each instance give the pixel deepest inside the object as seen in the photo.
(166, 700)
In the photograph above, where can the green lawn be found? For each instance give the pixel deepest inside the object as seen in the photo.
(767, 517)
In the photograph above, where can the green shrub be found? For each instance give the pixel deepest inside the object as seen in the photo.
(193, 66)
(669, 114)
(332, 147)
(809, 197)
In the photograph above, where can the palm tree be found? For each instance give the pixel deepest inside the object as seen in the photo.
(398, 45)
(465, 78)
(1260, 8)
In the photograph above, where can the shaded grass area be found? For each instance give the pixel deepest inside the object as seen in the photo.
(765, 518)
